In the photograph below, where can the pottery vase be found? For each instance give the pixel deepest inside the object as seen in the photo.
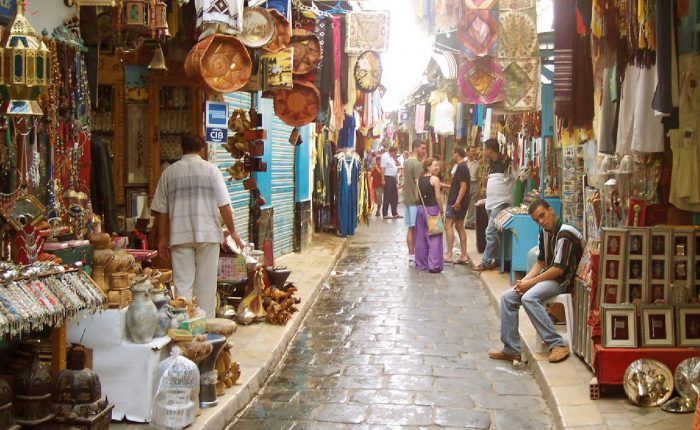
(142, 315)
(165, 318)
(208, 374)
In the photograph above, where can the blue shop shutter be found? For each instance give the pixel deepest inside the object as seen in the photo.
(282, 186)
(240, 198)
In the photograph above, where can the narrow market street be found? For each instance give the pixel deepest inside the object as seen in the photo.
(387, 345)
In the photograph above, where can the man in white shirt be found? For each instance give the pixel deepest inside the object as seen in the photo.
(190, 200)
(499, 196)
(391, 189)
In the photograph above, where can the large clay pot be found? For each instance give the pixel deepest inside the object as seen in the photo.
(142, 315)
(32, 400)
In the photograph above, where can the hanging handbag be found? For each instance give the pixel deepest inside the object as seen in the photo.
(436, 223)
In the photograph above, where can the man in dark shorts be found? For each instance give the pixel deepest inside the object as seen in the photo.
(457, 205)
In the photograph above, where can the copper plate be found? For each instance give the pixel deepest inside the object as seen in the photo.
(307, 53)
(258, 27)
(299, 105)
(221, 63)
(283, 33)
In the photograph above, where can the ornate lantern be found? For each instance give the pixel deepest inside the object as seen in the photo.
(136, 13)
(25, 65)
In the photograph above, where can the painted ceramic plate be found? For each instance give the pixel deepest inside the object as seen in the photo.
(258, 27)
(368, 71)
(307, 53)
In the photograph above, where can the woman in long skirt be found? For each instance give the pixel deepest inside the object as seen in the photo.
(428, 247)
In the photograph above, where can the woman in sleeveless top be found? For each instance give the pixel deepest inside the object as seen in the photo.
(428, 247)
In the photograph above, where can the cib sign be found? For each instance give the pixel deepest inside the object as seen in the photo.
(216, 122)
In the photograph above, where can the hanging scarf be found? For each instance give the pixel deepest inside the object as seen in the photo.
(564, 27)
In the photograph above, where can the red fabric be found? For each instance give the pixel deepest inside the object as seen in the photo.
(376, 177)
(610, 363)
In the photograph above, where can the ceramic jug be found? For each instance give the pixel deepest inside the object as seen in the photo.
(165, 318)
(142, 315)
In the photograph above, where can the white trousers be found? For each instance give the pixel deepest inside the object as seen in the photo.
(194, 273)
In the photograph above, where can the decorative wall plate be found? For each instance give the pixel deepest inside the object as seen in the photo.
(687, 378)
(368, 71)
(258, 27)
(648, 382)
(298, 106)
(283, 33)
(219, 62)
(307, 53)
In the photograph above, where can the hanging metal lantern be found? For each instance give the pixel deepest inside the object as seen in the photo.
(25, 64)
(161, 17)
(136, 13)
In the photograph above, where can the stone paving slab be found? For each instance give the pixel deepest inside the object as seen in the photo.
(391, 347)
(259, 348)
(566, 385)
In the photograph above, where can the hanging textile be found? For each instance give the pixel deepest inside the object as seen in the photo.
(564, 31)
(346, 135)
(685, 141)
(479, 4)
(640, 129)
(367, 31)
(518, 55)
(447, 14)
(480, 81)
(666, 60)
(348, 168)
(420, 118)
(478, 31)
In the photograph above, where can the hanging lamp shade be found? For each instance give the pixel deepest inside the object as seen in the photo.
(24, 64)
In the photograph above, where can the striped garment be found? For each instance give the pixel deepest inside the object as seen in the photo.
(562, 249)
(191, 192)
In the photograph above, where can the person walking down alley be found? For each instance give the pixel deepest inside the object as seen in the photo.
(457, 204)
(473, 165)
(429, 246)
(377, 184)
(390, 182)
(560, 249)
(413, 169)
(499, 196)
(190, 200)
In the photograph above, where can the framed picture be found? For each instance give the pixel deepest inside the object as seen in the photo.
(659, 293)
(658, 270)
(614, 241)
(136, 201)
(688, 320)
(660, 241)
(638, 240)
(611, 294)
(612, 269)
(634, 293)
(635, 270)
(619, 326)
(657, 326)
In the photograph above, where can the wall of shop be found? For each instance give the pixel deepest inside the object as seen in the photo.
(42, 17)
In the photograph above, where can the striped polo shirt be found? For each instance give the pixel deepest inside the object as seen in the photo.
(191, 191)
(562, 249)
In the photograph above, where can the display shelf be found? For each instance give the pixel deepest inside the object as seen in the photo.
(610, 363)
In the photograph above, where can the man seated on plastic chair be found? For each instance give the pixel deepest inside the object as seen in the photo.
(560, 250)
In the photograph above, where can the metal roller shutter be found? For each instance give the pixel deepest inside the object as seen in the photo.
(240, 198)
(282, 190)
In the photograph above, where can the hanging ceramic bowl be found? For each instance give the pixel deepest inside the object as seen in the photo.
(283, 34)
(298, 106)
(648, 382)
(368, 71)
(258, 27)
(307, 52)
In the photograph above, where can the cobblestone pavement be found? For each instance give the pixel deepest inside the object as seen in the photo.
(387, 346)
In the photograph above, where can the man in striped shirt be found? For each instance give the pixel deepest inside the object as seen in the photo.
(553, 274)
(190, 201)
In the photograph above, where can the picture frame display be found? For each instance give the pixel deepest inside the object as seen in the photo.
(659, 265)
(637, 281)
(657, 326)
(619, 326)
(612, 272)
(688, 325)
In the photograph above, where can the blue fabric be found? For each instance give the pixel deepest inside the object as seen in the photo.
(282, 6)
(533, 301)
(346, 135)
(348, 172)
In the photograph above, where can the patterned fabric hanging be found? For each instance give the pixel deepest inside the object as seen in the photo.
(479, 32)
(481, 81)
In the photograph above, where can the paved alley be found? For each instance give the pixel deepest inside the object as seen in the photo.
(388, 346)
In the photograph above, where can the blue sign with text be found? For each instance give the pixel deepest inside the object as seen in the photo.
(217, 135)
(216, 115)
